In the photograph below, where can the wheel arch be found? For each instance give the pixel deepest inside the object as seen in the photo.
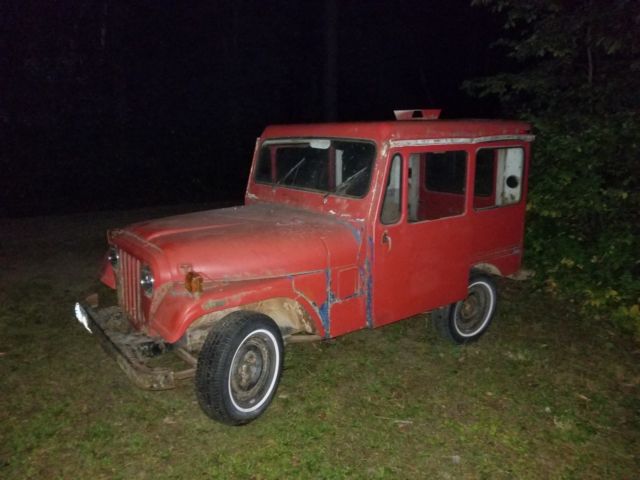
(486, 267)
(445, 320)
(178, 314)
(289, 315)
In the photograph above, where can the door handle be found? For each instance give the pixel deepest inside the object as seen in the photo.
(387, 239)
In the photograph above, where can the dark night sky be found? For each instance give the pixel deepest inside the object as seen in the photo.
(116, 104)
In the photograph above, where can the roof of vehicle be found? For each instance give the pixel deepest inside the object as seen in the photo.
(403, 129)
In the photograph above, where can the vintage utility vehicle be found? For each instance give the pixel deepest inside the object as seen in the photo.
(345, 226)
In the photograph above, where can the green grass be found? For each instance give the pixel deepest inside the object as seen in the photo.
(545, 394)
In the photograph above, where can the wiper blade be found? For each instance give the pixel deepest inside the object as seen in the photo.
(350, 180)
(342, 188)
(291, 170)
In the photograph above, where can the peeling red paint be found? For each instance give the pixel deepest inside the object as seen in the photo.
(325, 252)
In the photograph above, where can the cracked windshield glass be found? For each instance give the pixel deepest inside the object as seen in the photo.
(322, 165)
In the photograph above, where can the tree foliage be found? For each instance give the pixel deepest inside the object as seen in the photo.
(580, 56)
(576, 76)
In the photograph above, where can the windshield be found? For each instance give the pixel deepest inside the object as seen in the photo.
(323, 165)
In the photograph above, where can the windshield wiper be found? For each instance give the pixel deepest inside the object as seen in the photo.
(346, 184)
(342, 188)
(291, 170)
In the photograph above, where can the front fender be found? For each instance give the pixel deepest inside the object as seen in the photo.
(177, 309)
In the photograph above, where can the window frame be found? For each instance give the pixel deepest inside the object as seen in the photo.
(523, 176)
(306, 140)
(423, 149)
(425, 185)
(387, 179)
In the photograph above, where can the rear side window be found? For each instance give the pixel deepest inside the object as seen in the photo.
(498, 180)
(436, 184)
(446, 171)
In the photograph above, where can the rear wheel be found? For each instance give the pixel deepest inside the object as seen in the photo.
(467, 320)
(239, 368)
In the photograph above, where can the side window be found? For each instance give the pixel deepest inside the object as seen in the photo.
(393, 193)
(446, 171)
(437, 185)
(498, 179)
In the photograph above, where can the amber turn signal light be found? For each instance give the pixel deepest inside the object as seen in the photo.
(193, 283)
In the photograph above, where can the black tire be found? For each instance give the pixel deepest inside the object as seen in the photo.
(239, 368)
(467, 320)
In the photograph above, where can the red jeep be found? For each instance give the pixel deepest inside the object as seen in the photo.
(345, 226)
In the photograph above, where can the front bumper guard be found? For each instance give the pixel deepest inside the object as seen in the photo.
(133, 350)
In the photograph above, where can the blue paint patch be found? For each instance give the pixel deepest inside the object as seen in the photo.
(332, 298)
(325, 308)
(369, 299)
(355, 232)
(323, 311)
(369, 282)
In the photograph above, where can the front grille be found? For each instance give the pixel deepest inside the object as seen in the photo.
(129, 287)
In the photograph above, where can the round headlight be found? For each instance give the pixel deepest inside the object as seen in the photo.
(113, 256)
(146, 279)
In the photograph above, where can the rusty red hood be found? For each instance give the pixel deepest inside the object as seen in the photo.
(246, 242)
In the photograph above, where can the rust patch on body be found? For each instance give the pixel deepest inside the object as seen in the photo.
(288, 314)
(211, 304)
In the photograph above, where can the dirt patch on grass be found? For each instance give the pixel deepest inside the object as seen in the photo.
(545, 394)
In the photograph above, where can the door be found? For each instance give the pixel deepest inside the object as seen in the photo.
(499, 205)
(421, 235)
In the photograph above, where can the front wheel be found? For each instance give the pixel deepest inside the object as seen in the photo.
(239, 368)
(467, 320)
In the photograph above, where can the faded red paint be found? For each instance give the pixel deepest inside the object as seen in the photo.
(326, 252)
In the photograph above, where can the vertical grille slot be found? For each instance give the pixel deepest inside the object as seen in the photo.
(129, 287)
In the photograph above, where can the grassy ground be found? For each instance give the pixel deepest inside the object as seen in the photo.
(545, 394)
